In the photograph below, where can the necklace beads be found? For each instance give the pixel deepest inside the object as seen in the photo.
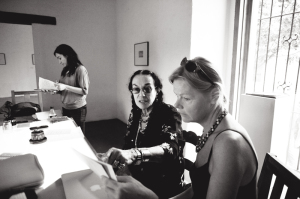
(141, 129)
(202, 139)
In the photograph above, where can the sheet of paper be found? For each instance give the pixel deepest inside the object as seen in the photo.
(46, 84)
(98, 167)
(45, 114)
(62, 135)
(42, 115)
(83, 184)
(70, 124)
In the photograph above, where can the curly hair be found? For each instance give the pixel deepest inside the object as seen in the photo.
(157, 84)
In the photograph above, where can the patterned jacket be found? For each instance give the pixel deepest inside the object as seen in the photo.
(164, 129)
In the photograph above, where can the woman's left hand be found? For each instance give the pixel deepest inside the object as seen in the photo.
(126, 188)
(60, 86)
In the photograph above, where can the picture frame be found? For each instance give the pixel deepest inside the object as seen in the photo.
(2, 59)
(33, 62)
(141, 54)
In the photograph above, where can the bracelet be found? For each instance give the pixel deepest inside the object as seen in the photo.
(138, 157)
(146, 154)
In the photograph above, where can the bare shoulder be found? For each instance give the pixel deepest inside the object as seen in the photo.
(232, 149)
(229, 142)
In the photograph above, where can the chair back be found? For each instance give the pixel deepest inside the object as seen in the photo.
(191, 138)
(189, 154)
(284, 176)
(27, 95)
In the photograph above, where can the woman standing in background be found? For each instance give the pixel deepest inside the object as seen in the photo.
(73, 85)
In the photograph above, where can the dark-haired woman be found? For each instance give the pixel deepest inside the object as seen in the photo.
(152, 151)
(73, 84)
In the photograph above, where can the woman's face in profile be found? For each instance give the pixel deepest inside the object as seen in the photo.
(192, 105)
(61, 59)
(143, 91)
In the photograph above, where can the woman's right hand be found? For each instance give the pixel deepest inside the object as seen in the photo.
(121, 156)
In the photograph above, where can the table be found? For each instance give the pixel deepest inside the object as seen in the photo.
(55, 155)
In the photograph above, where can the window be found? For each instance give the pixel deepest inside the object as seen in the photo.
(276, 60)
(266, 57)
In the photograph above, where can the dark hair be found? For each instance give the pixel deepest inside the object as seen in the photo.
(72, 59)
(157, 84)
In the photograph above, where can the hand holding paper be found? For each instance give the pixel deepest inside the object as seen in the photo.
(45, 84)
(98, 167)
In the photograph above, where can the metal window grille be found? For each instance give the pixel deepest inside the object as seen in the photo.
(277, 46)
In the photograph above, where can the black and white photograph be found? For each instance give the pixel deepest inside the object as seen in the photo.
(149, 99)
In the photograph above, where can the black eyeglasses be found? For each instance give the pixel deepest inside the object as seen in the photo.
(192, 67)
(146, 90)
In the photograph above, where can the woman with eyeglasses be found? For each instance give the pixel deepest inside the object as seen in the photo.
(152, 152)
(226, 163)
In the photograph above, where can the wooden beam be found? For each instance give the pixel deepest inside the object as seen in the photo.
(25, 19)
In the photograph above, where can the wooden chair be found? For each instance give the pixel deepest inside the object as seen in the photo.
(26, 95)
(191, 138)
(284, 176)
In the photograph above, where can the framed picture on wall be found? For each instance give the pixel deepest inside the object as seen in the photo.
(2, 59)
(141, 54)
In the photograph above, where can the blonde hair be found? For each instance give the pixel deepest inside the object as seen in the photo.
(200, 82)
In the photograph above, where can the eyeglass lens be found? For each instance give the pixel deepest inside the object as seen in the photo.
(146, 89)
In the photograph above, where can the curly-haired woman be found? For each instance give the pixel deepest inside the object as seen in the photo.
(153, 149)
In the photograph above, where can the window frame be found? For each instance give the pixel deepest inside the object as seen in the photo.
(241, 40)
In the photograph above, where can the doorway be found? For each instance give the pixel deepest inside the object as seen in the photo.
(18, 69)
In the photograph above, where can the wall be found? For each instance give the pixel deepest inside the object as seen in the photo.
(174, 30)
(167, 27)
(19, 72)
(103, 32)
(90, 28)
(212, 35)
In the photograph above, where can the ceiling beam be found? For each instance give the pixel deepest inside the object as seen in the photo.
(25, 19)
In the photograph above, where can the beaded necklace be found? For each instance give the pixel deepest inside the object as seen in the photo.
(140, 128)
(202, 139)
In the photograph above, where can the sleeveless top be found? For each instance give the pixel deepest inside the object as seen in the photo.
(200, 178)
